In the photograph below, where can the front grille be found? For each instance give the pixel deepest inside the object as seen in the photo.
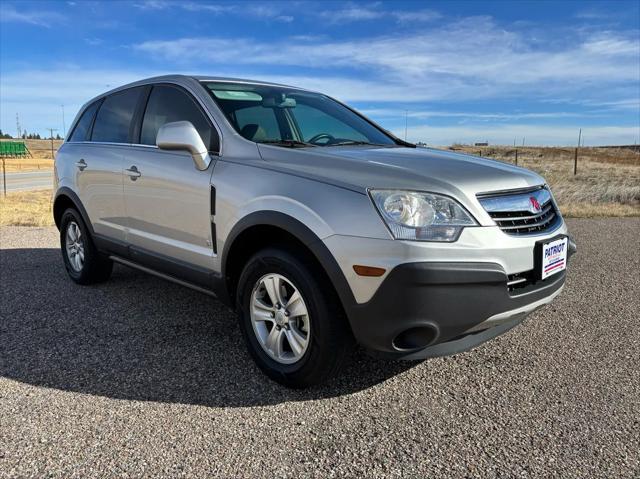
(522, 212)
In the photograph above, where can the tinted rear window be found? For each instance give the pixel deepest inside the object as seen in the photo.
(114, 116)
(81, 131)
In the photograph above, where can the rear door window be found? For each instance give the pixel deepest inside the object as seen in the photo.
(168, 104)
(113, 121)
(83, 127)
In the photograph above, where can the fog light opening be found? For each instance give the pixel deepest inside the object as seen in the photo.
(415, 338)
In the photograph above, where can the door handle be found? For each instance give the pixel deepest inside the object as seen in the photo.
(81, 164)
(133, 173)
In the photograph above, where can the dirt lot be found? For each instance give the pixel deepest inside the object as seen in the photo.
(139, 377)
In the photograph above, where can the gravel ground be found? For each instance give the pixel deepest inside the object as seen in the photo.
(139, 377)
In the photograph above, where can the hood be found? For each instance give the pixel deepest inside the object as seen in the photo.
(424, 169)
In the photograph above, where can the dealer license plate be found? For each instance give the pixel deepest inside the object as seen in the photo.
(554, 257)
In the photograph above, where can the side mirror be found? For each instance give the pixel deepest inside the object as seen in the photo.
(182, 135)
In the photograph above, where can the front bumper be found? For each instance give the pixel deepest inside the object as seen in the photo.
(427, 309)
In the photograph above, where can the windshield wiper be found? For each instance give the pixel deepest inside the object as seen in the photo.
(353, 142)
(287, 143)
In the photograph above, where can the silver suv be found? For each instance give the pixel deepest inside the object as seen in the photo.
(320, 228)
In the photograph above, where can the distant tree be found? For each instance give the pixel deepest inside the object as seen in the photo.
(4, 135)
(58, 137)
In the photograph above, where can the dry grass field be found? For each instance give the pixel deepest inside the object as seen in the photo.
(607, 183)
(28, 208)
(17, 165)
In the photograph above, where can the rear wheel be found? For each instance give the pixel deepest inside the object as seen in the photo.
(84, 264)
(291, 319)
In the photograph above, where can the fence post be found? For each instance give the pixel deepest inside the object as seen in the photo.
(575, 159)
(516, 157)
(4, 178)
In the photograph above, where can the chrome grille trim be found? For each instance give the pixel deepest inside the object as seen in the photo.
(529, 225)
(508, 218)
(515, 212)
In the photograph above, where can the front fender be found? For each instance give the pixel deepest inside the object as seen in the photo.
(305, 235)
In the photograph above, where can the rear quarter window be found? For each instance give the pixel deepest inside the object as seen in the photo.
(113, 121)
(83, 127)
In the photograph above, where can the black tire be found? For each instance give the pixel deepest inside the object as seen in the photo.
(95, 268)
(330, 340)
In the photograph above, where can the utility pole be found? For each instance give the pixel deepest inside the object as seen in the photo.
(18, 128)
(575, 158)
(523, 141)
(51, 130)
(406, 123)
(64, 125)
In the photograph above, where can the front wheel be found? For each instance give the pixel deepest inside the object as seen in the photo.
(84, 264)
(291, 319)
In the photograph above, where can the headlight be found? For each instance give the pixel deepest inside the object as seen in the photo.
(412, 215)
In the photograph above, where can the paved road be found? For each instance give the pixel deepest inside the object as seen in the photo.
(32, 180)
(139, 377)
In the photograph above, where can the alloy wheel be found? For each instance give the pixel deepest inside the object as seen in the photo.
(74, 245)
(280, 318)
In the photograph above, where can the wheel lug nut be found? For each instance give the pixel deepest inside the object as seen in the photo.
(286, 313)
(273, 315)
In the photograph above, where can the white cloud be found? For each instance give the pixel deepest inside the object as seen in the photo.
(416, 16)
(41, 18)
(268, 11)
(478, 116)
(472, 57)
(463, 61)
(533, 134)
(22, 92)
(355, 12)
(152, 4)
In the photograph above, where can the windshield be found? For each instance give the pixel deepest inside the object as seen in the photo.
(293, 118)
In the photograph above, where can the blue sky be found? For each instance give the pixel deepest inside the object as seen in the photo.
(464, 71)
